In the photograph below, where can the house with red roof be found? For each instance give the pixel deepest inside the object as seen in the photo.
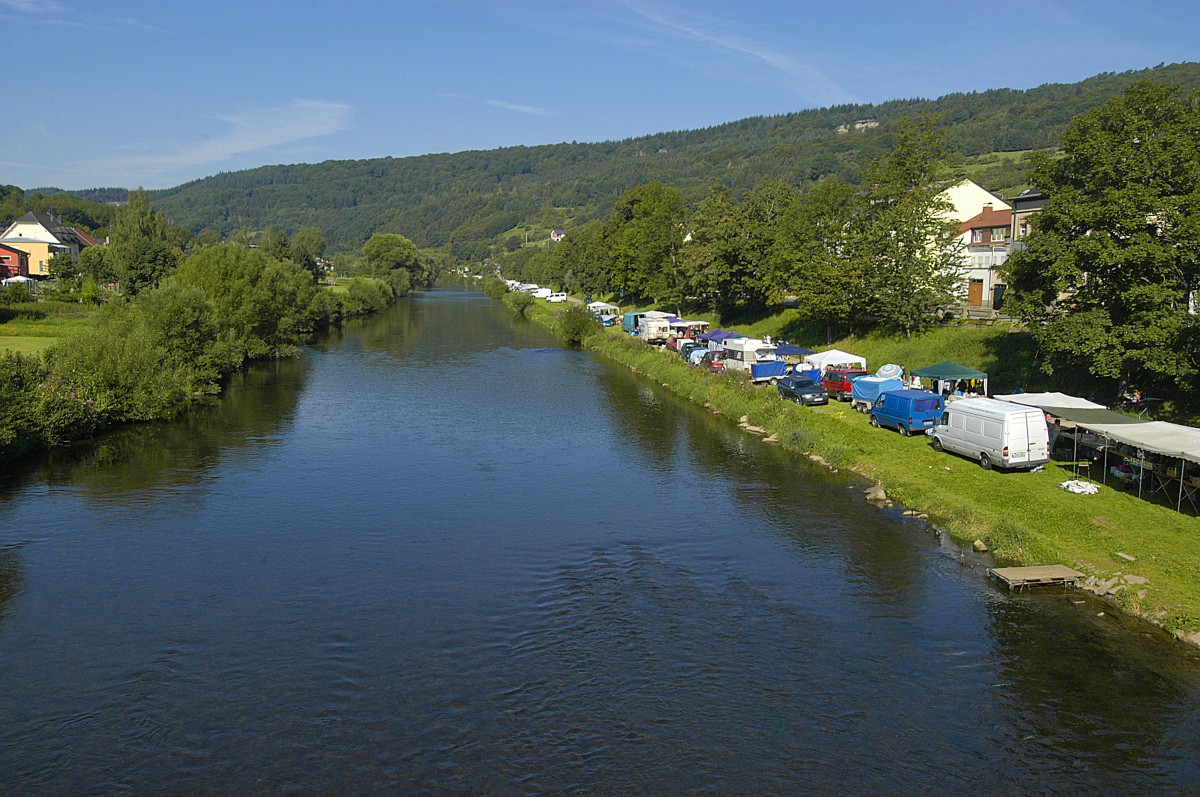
(986, 240)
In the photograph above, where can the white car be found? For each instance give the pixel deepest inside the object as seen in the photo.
(556, 297)
(542, 293)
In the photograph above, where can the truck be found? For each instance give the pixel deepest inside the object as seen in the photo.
(994, 433)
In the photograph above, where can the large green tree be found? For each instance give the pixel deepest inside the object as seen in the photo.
(1114, 258)
(142, 251)
(645, 233)
(908, 236)
(816, 259)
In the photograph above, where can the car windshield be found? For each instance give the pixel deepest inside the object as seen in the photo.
(803, 381)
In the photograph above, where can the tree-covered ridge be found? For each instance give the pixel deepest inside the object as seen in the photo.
(73, 210)
(474, 200)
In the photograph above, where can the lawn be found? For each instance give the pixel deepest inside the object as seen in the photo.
(32, 327)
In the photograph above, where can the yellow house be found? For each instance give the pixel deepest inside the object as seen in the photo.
(42, 236)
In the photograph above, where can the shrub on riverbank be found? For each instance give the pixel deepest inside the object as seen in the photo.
(519, 302)
(577, 324)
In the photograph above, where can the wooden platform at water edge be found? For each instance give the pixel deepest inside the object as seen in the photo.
(1039, 576)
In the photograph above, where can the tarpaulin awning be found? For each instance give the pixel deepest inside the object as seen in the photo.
(1044, 400)
(1158, 437)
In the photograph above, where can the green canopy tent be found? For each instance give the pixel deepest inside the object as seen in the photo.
(950, 372)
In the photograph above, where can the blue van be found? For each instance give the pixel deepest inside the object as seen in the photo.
(908, 411)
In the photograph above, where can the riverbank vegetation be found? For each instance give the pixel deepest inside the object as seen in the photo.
(175, 325)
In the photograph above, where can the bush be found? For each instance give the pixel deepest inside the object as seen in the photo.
(519, 301)
(577, 325)
(495, 287)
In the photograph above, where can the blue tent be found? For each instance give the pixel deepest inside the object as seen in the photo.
(719, 335)
(788, 350)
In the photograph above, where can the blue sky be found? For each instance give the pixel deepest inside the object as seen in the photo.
(158, 92)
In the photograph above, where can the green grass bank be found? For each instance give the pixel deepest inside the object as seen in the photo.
(1025, 518)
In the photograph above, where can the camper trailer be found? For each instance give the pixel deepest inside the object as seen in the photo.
(756, 358)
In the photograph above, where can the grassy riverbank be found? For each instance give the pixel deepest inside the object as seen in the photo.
(1025, 518)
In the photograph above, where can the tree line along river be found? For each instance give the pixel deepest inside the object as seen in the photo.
(439, 553)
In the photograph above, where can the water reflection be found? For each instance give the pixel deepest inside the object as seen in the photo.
(806, 504)
(10, 580)
(254, 411)
(1093, 696)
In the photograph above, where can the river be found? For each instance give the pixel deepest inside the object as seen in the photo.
(440, 554)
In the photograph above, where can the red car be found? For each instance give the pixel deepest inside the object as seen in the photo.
(837, 381)
(713, 362)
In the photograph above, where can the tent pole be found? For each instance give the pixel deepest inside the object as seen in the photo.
(1141, 469)
(1075, 456)
(1179, 503)
(1104, 473)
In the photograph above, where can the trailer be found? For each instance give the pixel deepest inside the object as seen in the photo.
(865, 390)
(756, 358)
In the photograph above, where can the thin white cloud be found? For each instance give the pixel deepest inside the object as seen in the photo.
(251, 131)
(804, 78)
(512, 106)
(34, 6)
(53, 12)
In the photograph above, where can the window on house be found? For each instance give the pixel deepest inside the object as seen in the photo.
(976, 236)
(999, 233)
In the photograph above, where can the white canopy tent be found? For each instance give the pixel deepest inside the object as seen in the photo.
(604, 308)
(1043, 400)
(832, 359)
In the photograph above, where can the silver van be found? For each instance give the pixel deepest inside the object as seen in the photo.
(994, 433)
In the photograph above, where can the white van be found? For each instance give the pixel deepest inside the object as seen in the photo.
(996, 433)
(555, 298)
(542, 293)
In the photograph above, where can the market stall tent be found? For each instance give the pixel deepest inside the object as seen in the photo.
(834, 358)
(948, 371)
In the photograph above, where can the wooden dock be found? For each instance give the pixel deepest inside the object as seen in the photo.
(1039, 576)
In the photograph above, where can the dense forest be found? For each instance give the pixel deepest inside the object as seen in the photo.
(476, 202)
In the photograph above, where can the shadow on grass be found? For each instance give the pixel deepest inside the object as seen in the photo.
(22, 312)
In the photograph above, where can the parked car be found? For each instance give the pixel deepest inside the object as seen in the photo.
(555, 298)
(802, 390)
(541, 293)
(713, 362)
(839, 381)
(907, 411)
(686, 349)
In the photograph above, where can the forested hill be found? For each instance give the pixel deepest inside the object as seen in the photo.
(474, 200)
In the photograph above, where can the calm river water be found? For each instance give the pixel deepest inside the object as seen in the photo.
(439, 554)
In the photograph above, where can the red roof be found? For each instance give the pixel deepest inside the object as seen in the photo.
(987, 218)
(86, 239)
